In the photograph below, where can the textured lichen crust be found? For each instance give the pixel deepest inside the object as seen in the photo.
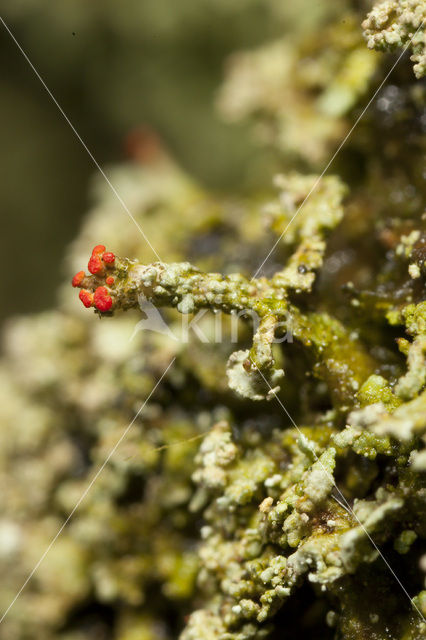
(274, 514)
(119, 283)
(395, 24)
(271, 481)
(296, 94)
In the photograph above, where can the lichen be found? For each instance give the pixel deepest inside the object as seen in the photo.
(221, 516)
(398, 23)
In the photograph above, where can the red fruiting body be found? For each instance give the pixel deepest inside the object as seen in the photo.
(98, 249)
(95, 264)
(78, 279)
(86, 297)
(100, 298)
(103, 301)
(108, 257)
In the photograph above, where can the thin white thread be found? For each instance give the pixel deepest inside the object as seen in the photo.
(348, 507)
(95, 162)
(85, 492)
(164, 373)
(328, 473)
(342, 505)
(318, 180)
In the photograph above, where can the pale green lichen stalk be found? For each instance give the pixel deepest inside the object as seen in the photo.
(252, 373)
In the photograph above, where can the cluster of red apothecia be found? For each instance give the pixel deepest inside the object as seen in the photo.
(99, 262)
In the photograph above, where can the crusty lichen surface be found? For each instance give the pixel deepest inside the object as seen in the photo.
(397, 24)
(281, 499)
(344, 363)
(303, 525)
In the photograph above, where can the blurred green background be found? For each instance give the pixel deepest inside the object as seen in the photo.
(114, 67)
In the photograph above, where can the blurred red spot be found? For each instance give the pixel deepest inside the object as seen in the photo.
(143, 145)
